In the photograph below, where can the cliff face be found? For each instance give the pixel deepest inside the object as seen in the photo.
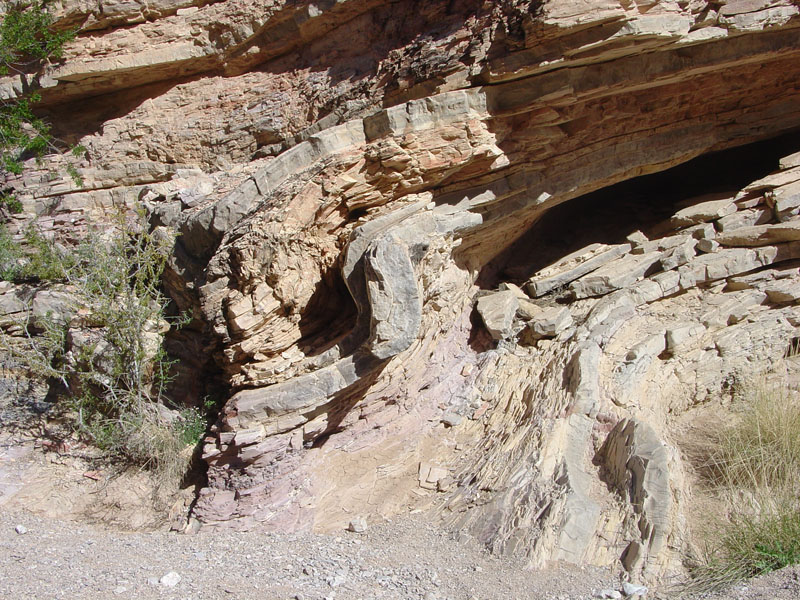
(358, 186)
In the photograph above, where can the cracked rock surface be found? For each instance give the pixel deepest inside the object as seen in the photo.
(380, 268)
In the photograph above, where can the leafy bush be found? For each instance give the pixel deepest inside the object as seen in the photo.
(27, 38)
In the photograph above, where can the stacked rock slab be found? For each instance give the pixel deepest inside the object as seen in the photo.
(342, 173)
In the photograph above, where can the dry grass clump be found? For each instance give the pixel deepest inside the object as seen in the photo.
(751, 471)
(760, 449)
(144, 435)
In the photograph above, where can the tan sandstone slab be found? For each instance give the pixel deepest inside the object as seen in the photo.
(760, 235)
(703, 212)
(574, 266)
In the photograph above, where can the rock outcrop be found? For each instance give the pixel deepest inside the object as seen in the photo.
(349, 179)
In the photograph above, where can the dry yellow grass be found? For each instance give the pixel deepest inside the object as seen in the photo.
(750, 471)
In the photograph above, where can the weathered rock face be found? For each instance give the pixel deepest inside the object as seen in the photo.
(346, 175)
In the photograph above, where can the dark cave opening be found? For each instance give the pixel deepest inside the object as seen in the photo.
(643, 203)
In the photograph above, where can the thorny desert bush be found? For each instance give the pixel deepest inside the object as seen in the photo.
(107, 351)
(40, 259)
(752, 471)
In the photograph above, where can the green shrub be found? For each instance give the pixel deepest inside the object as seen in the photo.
(27, 37)
(26, 41)
(11, 203)
(10, 255)
(111, 362)
(37, 260)
(763, 542)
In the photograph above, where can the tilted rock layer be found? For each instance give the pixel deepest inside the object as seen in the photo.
(347, 178)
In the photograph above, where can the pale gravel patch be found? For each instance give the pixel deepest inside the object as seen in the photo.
(404, 559)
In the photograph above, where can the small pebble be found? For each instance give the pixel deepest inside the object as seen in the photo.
(21, 529)
(631, 589)
(171, 579)
(358, 525)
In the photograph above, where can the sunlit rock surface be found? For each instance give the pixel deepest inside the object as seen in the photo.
(358, 185)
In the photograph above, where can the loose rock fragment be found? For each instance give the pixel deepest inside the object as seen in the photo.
(528, 310)
(497, 311)
(451, 419)
(745, 218)
(783, 291)
(630, 589)
(680, 336)
(171, 579)
(550, 322)
(707, 246)
(679, 255)
(358, 525)
(704, 211)
(611, 594)
(430, 475)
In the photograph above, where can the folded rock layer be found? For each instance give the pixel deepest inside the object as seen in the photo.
(345, 176)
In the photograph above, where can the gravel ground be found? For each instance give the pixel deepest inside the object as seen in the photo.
(404, 559)
(43, 558)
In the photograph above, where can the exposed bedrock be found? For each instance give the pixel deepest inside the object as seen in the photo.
(359, 188)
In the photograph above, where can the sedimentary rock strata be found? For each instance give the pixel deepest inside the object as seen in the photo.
(349, 180)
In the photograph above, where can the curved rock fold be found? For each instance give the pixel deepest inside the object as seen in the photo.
(361, 188)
